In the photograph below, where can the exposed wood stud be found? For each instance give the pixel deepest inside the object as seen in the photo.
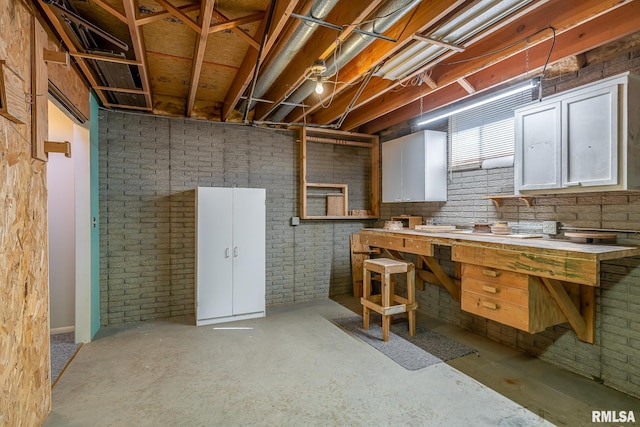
(198, 53)
(466, 85)
(179, 14)
(159, 16)
(131, 10)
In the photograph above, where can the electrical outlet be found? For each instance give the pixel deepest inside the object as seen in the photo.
(550, 227)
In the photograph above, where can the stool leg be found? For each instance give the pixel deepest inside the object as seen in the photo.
(386, 302)
(411, 296)
(366, 293)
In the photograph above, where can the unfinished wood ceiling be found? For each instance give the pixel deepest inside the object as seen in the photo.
(380, 62)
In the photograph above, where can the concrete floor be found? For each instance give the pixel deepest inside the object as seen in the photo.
(296, 368)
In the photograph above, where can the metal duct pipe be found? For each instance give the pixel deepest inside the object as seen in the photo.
(389, 14)
(319, 10)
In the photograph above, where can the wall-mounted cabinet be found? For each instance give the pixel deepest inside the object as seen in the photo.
(414, 168)
(582, 140)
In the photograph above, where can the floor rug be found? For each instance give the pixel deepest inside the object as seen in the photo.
(63, 348)
(424, 349)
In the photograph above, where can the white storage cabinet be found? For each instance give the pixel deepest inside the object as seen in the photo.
(582, 140)
(230, 254)
(414, 168)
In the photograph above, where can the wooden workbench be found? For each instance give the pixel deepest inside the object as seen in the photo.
(535, 282)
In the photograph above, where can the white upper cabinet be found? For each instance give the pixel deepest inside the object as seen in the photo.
(414, 168)
(582, 140)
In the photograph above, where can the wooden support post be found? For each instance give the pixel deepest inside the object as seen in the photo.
(581, 321)
(446, 281)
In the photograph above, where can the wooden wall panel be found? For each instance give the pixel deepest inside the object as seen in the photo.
(25, 374)
(24, 303)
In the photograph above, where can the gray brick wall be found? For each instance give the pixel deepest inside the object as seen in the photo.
(614, 359)
(149, 167)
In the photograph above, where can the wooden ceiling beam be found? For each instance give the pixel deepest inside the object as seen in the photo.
(112, 10)
(565, 15)
(131, 12)
(86, 70)
(159, 16)
(206, 14)
(228, 25)
(321, 46)
(284, 8)
(597, 32)
(179, 14)
(328, 115)
(105, 58)
(423, 17)
(239, 31)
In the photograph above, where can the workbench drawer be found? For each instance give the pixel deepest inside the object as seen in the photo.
(496, 276)
(497, 291)
(399, 243)
(497, 310)
(513, 299)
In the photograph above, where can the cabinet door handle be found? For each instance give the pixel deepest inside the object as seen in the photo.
(490, 273)
(490, 305)
(490, 289)
(235, 251)
(227, 253)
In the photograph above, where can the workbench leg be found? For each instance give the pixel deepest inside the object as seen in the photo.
(411, 296)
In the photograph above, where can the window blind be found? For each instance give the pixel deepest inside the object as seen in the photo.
(484, 132)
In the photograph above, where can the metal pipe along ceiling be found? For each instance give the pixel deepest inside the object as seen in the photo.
(319, 10)
(389, 14)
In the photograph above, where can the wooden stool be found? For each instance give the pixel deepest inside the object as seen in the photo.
(388, 303)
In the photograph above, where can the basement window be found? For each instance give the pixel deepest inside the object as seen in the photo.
(484, 134)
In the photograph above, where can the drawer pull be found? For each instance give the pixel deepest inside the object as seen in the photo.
(490, 289)
(490, 273)
(490, 305)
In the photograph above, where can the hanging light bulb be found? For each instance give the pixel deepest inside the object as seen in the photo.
(317, 69)
(319, 87)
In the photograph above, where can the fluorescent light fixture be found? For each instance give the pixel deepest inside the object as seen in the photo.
(529, 85)
(459, 29)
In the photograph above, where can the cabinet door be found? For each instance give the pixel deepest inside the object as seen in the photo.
(214, 262)
(538, 147)
(392, 171)
(413, 172)
(590, 138)
(249, 217)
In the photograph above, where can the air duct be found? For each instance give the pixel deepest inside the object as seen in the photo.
(319, 10)
(390, 13)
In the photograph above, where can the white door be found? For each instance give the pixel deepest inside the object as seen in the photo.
(249, 220)
(413, 174)
(590, 138)
(392, 171)
(214, 270)
(538, 147)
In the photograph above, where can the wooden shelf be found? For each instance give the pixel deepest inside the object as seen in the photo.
(339, 201)
(497, 200)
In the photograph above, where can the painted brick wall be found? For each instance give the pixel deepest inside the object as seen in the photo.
(149, 167)
(615, 357)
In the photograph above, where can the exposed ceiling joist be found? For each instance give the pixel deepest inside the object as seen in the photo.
(198, 52)
(158, 16)
(284, 8)
(131, 12)
(480, 52)
(571, 42)
(179, 14)
(426, 14)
